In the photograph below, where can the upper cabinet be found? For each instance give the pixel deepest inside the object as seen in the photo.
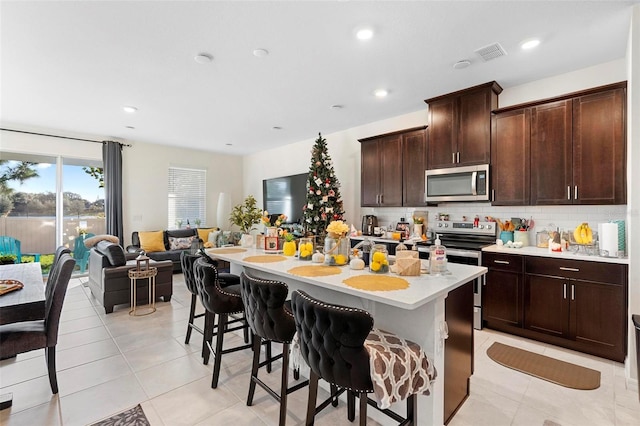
(572, 150)
(392, 168)
(460, 126)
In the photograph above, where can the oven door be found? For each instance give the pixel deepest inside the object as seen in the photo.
(466, 257)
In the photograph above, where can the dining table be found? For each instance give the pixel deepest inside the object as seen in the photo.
(24, 304)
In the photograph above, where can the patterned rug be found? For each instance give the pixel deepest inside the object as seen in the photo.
(132, 417)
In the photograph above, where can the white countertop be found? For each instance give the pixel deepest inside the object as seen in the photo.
(544, 252)
(381, 239)
(422, 289)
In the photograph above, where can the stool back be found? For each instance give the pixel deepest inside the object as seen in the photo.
(214, 298)
(332, 341)
(264, 302)
(186, 261)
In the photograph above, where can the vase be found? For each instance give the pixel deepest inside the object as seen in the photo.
(289, 248)
(271, 231)
(379, 259)
(336, 249)
(246, 240)
(417, 229)
(305, 249)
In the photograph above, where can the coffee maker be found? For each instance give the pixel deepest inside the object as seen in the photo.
(369, 222)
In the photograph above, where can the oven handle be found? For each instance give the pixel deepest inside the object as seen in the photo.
(454, 252)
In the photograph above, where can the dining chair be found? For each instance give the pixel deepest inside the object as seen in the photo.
(27, 336)
(220, 302)
(59, 252)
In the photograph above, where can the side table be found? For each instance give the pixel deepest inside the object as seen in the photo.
(144, 274)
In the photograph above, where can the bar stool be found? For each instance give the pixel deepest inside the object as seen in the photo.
(221, 302)
(270, 319)
(340, 344)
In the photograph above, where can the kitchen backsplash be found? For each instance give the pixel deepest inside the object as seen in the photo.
(544, 217)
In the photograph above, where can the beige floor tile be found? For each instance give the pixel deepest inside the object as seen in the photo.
(485, 408)
(84, 354)
(151, 414)
(79, 338)
(170, 375)
(43, 414)
(152, 355)
(79, 324)
(529, 416)
(74, 314)
(626, 416)
(20, 371)
(94, 373)
(29, 394)
(236, 415)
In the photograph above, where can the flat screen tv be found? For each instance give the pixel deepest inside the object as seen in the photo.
(285, 195)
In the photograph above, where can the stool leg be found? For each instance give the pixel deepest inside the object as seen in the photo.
(311, 402)
(363, 409)
(246, 329)
(334, 391)
(351, 406)
(257, 341)
(284, 384)
(192, 314)
(268, 350)
(209, 320)
(222, 325)
(412, 410)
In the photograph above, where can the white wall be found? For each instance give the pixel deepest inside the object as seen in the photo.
(50, 146)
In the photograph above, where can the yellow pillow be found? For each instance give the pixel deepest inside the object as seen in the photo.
(151, 241)
(203, 233)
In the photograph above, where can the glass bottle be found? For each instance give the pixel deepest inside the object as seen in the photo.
(336, 249)
(379, 259)
(305, 249)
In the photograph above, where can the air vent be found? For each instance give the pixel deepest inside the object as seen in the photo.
(491, 51)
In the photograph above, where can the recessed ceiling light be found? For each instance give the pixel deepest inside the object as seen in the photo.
(529, 44)
(464, 63)
(203, 58)
(381, 93)
(260, 53)
(228, 144)
(130, 127)
(129, 109)
(336, 107)
(276, 128)
(364, 33)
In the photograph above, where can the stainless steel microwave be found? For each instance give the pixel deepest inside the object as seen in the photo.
(470, 183)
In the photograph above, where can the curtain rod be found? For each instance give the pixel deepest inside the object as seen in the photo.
(61, 137)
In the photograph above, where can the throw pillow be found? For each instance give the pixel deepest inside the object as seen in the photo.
(151, 241)
(176, 243)
(203, 233)
(213, 237)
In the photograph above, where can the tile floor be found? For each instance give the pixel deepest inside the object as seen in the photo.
(108, 363)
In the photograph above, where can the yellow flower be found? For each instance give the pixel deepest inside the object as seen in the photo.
(338, 227)
(340, 259)
(379, 257)
(375, 266)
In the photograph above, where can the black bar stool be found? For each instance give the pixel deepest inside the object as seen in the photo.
(270, 318)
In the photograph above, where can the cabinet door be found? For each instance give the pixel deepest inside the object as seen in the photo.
(551, 153)
(502, 300)
(443, 125)
(390, 150)
(598, 318)
(474, 127)
(369, 174)
(510, 158)
(546, 307)
(414, 164)
(599, 169)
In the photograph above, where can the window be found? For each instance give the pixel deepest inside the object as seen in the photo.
(187, 196)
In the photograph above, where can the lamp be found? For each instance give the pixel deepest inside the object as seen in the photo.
(223, 211)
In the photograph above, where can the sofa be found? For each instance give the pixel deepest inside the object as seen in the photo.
(109, 281)
(168, 244)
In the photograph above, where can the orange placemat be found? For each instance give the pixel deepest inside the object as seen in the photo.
(265, 259)
(376, 282)
(315, 271)
(9, 285)
(229, 250)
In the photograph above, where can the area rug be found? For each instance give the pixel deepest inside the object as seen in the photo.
(132, 417)
(545, 368)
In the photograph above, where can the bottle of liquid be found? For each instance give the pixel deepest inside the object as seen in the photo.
(438, 258)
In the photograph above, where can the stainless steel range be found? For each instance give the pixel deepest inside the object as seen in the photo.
(464, 242)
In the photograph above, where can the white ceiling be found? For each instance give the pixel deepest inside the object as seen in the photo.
(70, 66)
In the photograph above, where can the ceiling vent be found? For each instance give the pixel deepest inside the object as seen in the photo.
(491, 51)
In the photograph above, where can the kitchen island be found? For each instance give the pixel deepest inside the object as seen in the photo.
(417, 313)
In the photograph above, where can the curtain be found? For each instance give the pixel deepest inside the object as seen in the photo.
(112, 162)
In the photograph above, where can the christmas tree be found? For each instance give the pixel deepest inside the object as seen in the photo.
(323, 195)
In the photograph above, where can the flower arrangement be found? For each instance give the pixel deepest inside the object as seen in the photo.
(245, 215)
(266, 219)
(337, 227)
(418, 220)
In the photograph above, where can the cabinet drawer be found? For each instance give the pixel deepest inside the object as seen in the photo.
(610, 273)
(502, 262)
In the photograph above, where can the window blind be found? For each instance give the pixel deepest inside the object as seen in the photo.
(187, 196)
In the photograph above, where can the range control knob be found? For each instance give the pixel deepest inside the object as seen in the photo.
(439, 225)
(481, 226)
(489, 226)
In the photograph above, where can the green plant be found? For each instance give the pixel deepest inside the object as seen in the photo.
(245, 215)
(8, 258)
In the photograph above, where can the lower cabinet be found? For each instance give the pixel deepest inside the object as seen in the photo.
(580, 305)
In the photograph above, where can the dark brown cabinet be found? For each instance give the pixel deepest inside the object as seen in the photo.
(502, 291)
(580, 305)
(510, 165)
(392, 168)
(460, 126)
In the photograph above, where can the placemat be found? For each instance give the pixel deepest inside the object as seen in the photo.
(229, 250)
(376, 282)
(265, 259)
(9, 285)
(315, 271)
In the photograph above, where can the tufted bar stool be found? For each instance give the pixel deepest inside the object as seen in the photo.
(186, 261)
(338, 343)
(270, 318)
(221, 302)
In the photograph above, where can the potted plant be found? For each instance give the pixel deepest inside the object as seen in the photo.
(7, 259)
(244, 216)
